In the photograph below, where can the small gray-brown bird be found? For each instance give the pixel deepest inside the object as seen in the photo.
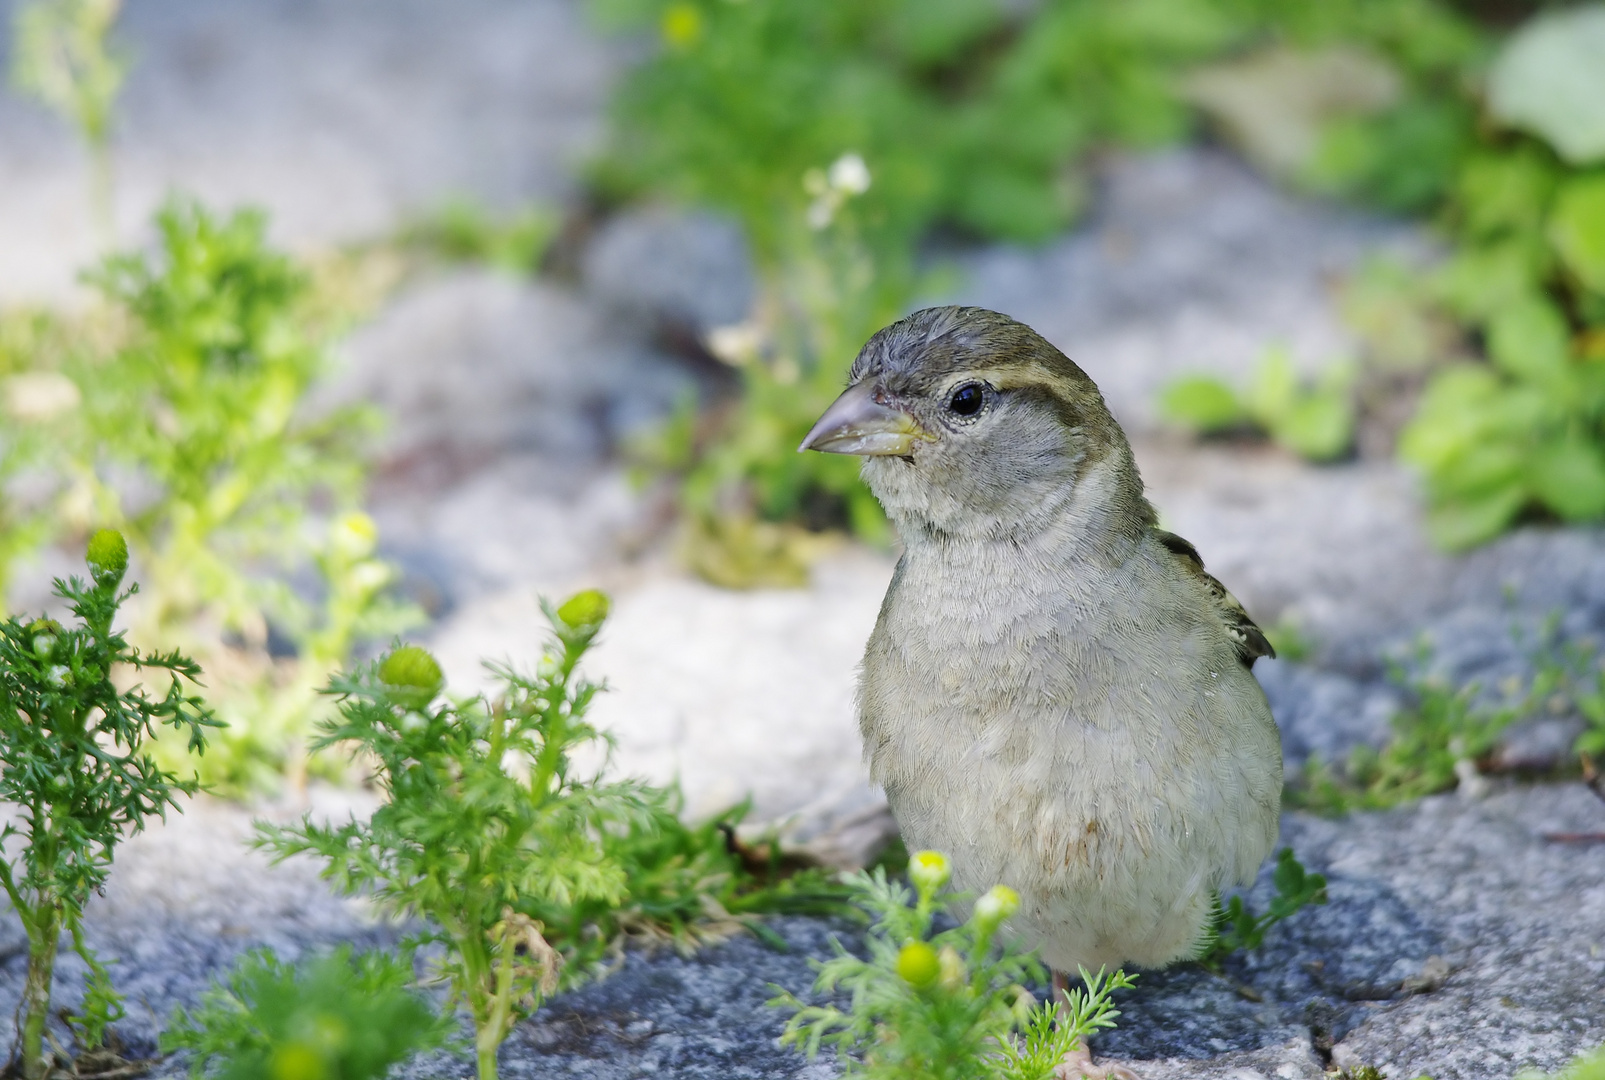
(1056, 695)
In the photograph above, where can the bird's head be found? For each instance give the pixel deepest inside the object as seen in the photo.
(972, 425)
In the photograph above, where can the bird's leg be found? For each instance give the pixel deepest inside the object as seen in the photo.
(1077, 1063)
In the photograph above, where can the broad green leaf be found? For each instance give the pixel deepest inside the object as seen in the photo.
(1319, 426)
(1477, 282)
(1201, 402)
(1505, 190)
(1568, 476)
(1452, 414)
(1530, 340)
(1577, 227)
(1550, 80)
(1468, 522)
(1273, 389)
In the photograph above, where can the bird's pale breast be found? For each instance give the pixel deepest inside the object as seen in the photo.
(1084, 734)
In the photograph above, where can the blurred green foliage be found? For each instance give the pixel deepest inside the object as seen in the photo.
(177, 410)
(464, 231)
(1314, 421)
(1589, 1066)
(1525, 431)
(65, 58)
(742, 475)
(339, 1016)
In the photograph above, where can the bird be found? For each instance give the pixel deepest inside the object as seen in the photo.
(1056, 694)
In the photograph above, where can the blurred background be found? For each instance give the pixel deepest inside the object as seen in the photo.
(364, 319)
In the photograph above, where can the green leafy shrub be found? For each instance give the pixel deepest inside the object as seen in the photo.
(686, 885)
(946, 1005)
(1234, 926)
(1525, 432)
(203, 401)
(1315, 422)
(339, 1016)
(484, 808)
(74, 761)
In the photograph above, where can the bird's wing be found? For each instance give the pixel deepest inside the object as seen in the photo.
(1245, 634)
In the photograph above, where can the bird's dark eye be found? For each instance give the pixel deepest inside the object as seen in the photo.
(967, 399)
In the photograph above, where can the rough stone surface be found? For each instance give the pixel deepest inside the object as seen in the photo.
(656, 263)
(337, 117)
(1515, 918)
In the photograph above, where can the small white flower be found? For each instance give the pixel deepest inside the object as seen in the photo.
(823, 209)
(849, 174)
(369, 575)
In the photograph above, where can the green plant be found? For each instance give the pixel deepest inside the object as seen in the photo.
(739, 484)
(484, 808)
(338, 1016)
(1569, 677)
(73, 761)
(1234, 926)
(462, 231)
(64, 58)
(685, 885)
(203, 399)
(37, 403)
(943, 1005)
(1523, 434)
(1314, 421)
(1436, 742)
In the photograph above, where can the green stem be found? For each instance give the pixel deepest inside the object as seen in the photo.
(100, 193)
(42, 938)
(494, 1030)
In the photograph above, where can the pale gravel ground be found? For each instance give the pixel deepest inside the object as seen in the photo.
(509, 398)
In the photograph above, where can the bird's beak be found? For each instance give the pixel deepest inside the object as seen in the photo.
(856, 423)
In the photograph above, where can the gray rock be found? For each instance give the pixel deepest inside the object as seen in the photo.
(654, 263)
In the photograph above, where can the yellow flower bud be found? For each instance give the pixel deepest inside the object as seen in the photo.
(584, 609)
(107, 556)
(918, 965)
(952, 967)
(354, 535)
(682, 25)
(45, 634)
(412, 676)
(1000, 902)
(929, 871)
(297, 1061)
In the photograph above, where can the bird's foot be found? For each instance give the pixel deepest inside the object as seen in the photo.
(1078, 1065)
